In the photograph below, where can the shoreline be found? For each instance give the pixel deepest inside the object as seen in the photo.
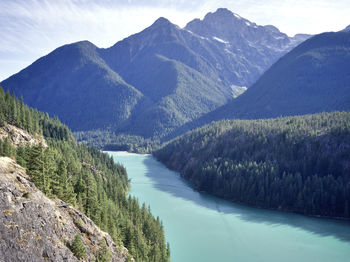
(125, 153)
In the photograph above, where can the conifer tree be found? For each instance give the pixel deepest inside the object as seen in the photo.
(78, 247)
(35, 166)
(65, 189)
(103, 254)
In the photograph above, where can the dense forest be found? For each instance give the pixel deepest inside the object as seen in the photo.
(108, 140)
(299, 164)
(85, 178)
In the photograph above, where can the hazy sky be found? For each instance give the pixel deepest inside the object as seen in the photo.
(30, 29)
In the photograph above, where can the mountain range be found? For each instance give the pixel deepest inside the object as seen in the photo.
(313, 77)
(154, 81)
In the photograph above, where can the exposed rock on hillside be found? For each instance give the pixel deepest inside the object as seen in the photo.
(19, 137)
(36, 228)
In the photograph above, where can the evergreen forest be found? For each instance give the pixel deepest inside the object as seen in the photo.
(298, 164)
(85, 178)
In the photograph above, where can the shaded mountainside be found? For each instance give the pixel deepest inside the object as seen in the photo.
(83, 177)
(314, 77)
(76, 85)
(299, 164)
(153, 81)
(36, 228)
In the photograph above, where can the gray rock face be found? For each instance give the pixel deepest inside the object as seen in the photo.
(248, 49)
(19, 137)
(36, 228)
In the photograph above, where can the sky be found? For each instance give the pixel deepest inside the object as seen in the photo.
(30, 29)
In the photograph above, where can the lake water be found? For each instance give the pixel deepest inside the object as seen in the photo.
(203, 228)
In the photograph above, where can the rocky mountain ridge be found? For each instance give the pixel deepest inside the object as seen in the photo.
(312, 78)
(248, 49)
(155, 80)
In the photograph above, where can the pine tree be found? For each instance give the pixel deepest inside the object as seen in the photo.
(92, 206)
(21, 157)
(103, 254)
(35, 166)
(78, 247)
(49, 170)
(65, 189)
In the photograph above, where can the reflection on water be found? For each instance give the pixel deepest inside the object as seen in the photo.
(200, 227)
(179, 187)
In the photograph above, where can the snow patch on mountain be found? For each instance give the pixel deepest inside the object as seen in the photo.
(201, 37)
(220, 40)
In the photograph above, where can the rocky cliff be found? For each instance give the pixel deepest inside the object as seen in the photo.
(36, 228)
(19, 137)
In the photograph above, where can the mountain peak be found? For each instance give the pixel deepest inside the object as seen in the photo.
(162, 21)
(223, 11)
(221, 20)
(346, 29)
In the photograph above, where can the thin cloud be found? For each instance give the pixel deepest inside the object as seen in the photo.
(32, 28)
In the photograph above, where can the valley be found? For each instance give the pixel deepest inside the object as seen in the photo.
(242, 135)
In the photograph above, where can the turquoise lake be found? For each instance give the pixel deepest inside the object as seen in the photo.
(203, 228)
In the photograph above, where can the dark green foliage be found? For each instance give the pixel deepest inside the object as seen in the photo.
(298, 164)
(85, 178)
(109, 141)
(77, 247)
(6, 148)
(35, 168)
(103, 254)
(14, 112)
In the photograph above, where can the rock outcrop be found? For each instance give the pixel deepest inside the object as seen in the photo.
(34, 227)
(19, 137)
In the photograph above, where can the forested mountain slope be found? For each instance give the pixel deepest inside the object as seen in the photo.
(76, 85)
(298, 164)
(83, 177)
(153, 81)
(313, 77)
